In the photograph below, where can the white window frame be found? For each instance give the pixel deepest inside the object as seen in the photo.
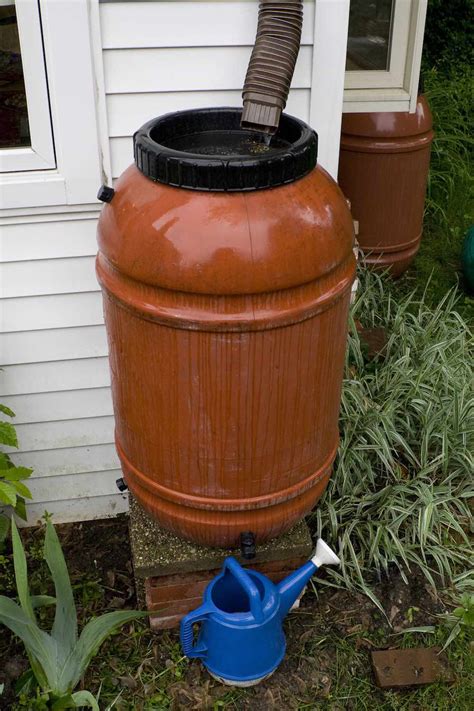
(40, 154)
(70, 40)
(395, 89)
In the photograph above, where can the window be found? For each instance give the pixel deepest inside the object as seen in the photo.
(51, 117)
(14, 124)
(383, 54)
(26, 141)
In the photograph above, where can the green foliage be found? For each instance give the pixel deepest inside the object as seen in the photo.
(448, 34)
(12, 489)
(451, 183)
(460, 622)
(402, 485)
(59, 659)
(450, 196)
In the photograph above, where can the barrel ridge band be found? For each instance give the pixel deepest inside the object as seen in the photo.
(153, 303)
(135, 477)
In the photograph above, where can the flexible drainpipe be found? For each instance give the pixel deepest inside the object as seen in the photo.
(272, 64)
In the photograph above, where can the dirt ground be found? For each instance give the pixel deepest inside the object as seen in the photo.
(327, 664)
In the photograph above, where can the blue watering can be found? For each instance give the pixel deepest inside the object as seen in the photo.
(241, 639)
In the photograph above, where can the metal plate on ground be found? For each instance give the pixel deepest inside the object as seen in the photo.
(409, 667)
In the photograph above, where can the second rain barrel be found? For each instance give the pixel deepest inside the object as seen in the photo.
(226, 267)
(383, 171)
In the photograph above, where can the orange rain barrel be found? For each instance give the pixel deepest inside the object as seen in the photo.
(383, 171)
(226, 267)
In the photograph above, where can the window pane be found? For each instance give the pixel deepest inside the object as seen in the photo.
(14, 126)
(368, 45)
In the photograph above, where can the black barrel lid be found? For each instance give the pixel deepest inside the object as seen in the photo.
(205, 149)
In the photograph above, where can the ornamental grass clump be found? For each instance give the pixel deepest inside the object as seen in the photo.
(58, 659)
(403, 480)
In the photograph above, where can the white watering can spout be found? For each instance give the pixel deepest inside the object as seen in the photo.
(323, 555)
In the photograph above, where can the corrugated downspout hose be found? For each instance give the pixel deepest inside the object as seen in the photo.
(272, 64)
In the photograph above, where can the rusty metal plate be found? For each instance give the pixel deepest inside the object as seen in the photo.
(409, 667)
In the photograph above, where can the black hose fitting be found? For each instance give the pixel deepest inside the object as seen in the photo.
(105, 193)
(121, 484)
(272, 64)
(247, 545)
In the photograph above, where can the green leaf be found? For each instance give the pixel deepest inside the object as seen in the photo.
(93, 635)
(20, 508)
(7, 493)
(16, 473)
(21, 573)
(8, 435)
(74, 701)
(6, 410)
(85, 698)
(64, 702)
(41, 648)
(21, 579)
(21, 489)
(452, 636)
(42, 600)
(428, 629)
(26, 683)
(4, 527)
(5, 463)
(65, 621)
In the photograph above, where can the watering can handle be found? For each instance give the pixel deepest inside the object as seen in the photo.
(187, 634)
(248, 585)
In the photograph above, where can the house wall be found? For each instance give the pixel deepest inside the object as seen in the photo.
(155, 57)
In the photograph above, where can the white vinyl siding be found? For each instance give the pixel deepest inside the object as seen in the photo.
(157, 57)
(166, 56)
(55, 373)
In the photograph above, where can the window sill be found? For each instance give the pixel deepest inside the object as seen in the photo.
(368, 100)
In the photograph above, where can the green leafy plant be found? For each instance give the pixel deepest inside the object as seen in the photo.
(461, 619)
(402, 486)
(458, 623)
(13, 491)
(58, 660)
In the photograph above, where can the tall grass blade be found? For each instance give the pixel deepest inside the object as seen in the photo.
(65, 621)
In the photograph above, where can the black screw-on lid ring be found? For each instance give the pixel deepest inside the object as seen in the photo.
(201, 149)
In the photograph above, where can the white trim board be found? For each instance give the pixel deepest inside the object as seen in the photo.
(329, 61)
